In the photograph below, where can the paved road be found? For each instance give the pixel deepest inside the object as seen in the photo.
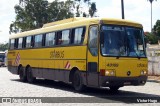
(10, 86)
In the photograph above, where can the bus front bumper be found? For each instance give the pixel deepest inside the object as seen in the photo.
(108, 81)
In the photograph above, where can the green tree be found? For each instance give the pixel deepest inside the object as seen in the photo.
(156, 28)
(32, 14)
(84, 8)
(62, 10)
(3, 47)
(92, 9)
(151, 38)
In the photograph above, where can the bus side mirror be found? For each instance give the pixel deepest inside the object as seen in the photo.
(145, 41)
(102, 37)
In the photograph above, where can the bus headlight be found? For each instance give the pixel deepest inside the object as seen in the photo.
(109, 73)
(106, 73)
(112, 73)
(143, 72)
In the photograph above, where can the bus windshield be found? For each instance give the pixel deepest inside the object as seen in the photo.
(122, 41)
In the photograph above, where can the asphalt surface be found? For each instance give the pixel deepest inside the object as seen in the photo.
(63, 94)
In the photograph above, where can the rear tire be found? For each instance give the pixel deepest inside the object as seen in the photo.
(30, 77)
(22, 74)
(77, 82)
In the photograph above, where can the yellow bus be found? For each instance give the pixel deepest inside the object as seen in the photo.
(86, 52)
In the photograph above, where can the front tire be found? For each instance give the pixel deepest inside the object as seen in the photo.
(77, 82)
(22, 74)
(30, 77)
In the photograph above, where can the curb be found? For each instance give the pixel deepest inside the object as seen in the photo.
(153, 80)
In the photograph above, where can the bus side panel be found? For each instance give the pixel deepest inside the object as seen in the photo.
(50, 63)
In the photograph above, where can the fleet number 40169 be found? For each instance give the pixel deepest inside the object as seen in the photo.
(57, 54)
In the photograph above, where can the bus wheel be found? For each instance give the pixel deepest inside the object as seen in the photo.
(30, 77)
(114, 88)
(77, 82)
(22, 75)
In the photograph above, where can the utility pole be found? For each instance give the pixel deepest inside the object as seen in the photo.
(122, 7)
(151, 12)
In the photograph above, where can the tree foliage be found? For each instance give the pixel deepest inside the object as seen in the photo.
(32, 14)
(81, 5)
(154, 36)
(151, 38)
(92, 9)
(156, 28)
(3, 47)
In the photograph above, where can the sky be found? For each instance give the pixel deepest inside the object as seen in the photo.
(135, 10)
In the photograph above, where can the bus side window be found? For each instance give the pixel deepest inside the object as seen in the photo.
(50, 39)
(20, 43)
(78, 35)
(65, 37)
(12, 41)
(28, 42)
(38, 41)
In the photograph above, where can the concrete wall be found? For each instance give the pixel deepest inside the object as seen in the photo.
(154, 65)
(153, 54)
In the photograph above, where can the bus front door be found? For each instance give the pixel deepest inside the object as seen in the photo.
(92, 57)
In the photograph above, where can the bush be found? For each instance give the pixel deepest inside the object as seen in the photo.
(151, 38)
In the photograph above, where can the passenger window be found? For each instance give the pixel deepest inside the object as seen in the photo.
(20, 43)
(93, 38)
(78, 35)
(28, 42)
(50, 39)
(65, 37)
(12, 43)
(38, 41)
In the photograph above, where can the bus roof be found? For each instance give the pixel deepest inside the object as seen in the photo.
(74, 22)
(63, 21)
